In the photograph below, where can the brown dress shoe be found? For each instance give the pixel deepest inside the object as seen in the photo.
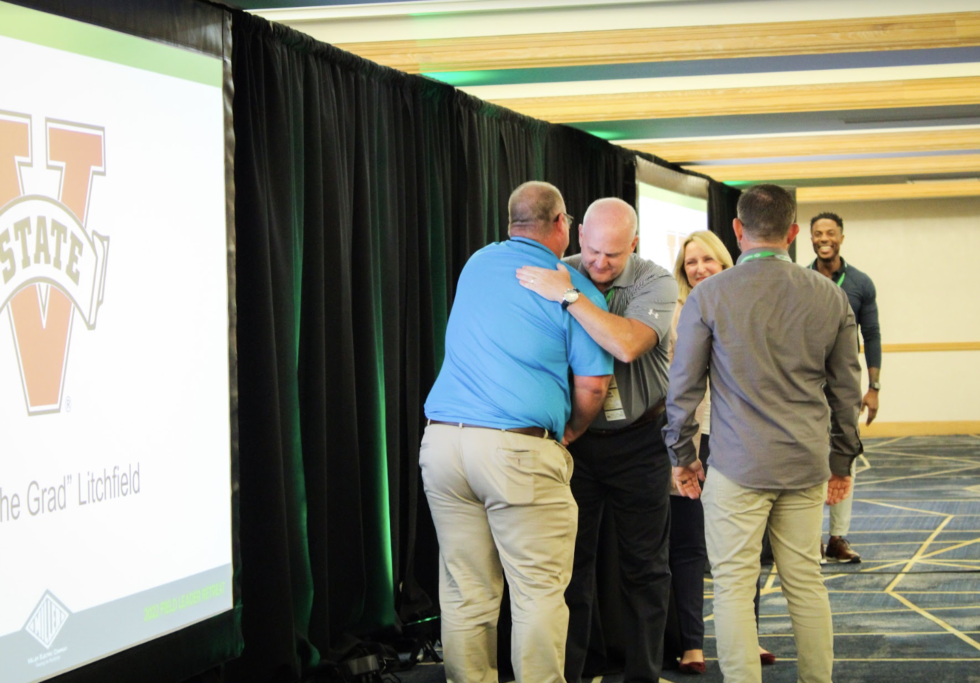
(839, 550)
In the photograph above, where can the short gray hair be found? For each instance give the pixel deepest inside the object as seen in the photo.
(766, 212)
(532, 208)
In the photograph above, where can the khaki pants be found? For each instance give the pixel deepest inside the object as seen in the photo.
(502, 505)
(735, 519)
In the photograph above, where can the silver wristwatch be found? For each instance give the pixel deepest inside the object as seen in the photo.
(571, 296)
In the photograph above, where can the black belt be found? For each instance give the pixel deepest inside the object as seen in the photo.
(539, 432)
(649, 416)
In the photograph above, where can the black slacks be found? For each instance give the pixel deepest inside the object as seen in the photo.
(628, 473)
(688, 557)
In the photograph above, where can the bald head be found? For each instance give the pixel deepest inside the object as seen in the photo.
(608, 237)
(611, 215)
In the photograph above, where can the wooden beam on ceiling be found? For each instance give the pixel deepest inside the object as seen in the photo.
(849, 168)
(935, 92)
(716, 149)
(916, 32)
(858, 193)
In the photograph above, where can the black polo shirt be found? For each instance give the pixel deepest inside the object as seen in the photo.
(862, 296)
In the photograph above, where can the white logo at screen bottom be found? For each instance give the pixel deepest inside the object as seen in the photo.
(46, 621)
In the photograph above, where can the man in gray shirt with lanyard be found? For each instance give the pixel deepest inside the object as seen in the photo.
(780, 345)
(621, 461)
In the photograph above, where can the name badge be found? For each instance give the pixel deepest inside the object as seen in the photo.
(613, 405)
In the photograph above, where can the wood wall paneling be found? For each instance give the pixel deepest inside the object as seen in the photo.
(883, 429)
(929, 347)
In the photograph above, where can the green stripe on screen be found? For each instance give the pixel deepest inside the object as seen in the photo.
(87, 40)
(673, 197)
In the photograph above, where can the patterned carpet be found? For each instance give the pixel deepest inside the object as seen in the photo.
(910, 611)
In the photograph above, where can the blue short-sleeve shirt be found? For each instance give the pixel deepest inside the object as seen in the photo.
(508, 350)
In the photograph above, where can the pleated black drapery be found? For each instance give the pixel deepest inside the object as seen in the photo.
(722, 205)
(722, 208)
(361, 192)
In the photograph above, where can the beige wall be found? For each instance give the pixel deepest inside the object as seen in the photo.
(924, 258)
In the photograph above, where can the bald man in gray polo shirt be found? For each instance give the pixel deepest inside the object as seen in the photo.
(780, 344)
(621, 463)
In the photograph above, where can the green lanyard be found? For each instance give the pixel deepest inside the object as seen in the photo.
(766, 254)
(840, 280)
(609, 295)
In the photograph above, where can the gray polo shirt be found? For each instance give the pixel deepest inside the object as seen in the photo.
(646, 292)
(780, 343)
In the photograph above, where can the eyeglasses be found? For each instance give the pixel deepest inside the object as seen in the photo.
(569, 218)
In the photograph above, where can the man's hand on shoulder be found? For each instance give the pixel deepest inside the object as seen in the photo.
(551, 284)
(625, 338)
(837, 489)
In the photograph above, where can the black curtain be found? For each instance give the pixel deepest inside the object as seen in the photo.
(361, 192)
(722, 205)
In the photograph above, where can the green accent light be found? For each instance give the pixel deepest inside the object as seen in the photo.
(462, 79)
(384, 610)
(385, 502)
(605, 134)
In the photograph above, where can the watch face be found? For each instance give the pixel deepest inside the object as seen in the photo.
(570, 297)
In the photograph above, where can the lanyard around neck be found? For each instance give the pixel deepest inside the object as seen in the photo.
(840, 280)
(767, 254)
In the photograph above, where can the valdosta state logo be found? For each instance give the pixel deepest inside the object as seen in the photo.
(51, 263)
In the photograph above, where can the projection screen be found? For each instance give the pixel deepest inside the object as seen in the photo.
(116, 457)
(670, 206)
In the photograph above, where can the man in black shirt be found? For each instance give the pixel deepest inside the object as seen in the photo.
(827, 235)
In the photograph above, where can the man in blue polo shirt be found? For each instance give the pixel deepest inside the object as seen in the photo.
(494, 469)
(827, 235)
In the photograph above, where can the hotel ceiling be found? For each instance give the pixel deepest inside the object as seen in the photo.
(845, 99)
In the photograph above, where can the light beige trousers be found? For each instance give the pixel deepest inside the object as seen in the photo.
(502, 505)
(735, 518)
